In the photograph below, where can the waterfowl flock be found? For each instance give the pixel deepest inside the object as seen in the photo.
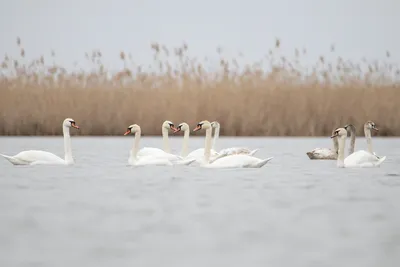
(233, 157)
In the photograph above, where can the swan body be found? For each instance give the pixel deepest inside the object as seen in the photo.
(199, 153)
(238, 161)
(227, 161)
(39, 157)
(161, 159)
(360, 158)
(322, 153)
(363, 159)
(148, 151)
(231, 150)
(325, 153)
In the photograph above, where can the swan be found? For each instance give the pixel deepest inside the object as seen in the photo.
(325, 153)
(164, 159)
(231, 161)
(361, 158)
(38, 157)
(231, 150)
(147, 151)
(368, 126)
(197, 154)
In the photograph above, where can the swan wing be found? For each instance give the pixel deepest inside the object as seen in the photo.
(35, 157)
(196, 153)
(238, 161)
(147, 151)
(237, 150)
(199, 153)
(363, 158)
(150, 160)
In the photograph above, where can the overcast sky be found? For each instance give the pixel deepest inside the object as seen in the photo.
(357, 27)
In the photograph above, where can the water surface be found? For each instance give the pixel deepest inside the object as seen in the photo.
(291, 212)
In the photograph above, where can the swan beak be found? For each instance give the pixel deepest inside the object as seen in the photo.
(127, 132)
(376, 129)
(197, 128)
(75, 126)
(333, 136)
(177, 130)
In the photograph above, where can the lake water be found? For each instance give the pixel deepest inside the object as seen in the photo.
(292, 212)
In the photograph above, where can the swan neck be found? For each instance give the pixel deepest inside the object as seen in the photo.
(185, 148)
(135, 147)
(216, 136)
(342, 143)
(367, 133)
(352, 141)
(335, 142)
(67, 145)
(207, 147)
(166, 146)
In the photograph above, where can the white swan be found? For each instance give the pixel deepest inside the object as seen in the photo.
(368, 126)
(361, 158)
(164, 158)
(197, 154)
(38, 157)
(231, 150)
(231, 161)
(325, 153)
(143, 160)
(165, 127)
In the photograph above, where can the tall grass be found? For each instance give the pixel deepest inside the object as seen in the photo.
(275, 96)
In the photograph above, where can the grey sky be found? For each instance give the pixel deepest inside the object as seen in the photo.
(357, 27)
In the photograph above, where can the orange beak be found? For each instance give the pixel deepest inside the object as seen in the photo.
(173, 128)
(127, 132)
(177, 130)
(376, 129)
(75, 126)
(333, 136)
(197, 128)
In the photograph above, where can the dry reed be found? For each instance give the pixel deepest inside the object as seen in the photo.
(280, 101)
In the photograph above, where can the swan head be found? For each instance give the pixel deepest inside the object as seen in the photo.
(182, 127)
(215, 124)
(202, 125)
(168, 125)
(370, 125)
(68, 122)
(132, 129)
(339, 132)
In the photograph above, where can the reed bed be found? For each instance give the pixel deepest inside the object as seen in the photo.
(276, 96)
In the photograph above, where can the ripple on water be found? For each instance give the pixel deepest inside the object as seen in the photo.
(292, 212)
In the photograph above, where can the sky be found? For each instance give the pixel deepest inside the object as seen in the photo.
(357, 28)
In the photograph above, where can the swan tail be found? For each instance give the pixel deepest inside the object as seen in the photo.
(253, 152)
(311, 155)
(381, 159)
(262, 163)
(12, 160)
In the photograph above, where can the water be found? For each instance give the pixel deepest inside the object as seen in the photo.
(291, 212)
